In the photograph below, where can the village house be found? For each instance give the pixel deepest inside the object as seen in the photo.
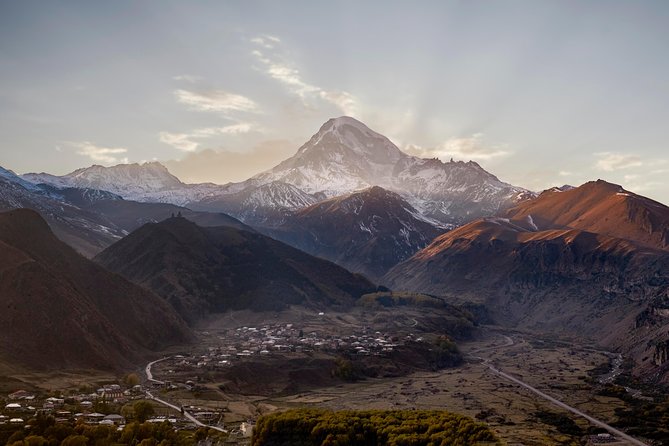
(21, 395)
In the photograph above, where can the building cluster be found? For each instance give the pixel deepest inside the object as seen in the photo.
(22, 405)
(267, 340)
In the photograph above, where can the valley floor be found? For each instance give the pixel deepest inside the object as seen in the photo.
(263, 384)
(520, 417)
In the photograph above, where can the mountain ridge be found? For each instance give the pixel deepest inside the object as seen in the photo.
(368, 231)
(344, 156)
(103, 321)
(534, 271)
(211, 270)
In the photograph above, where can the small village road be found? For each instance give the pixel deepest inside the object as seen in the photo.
(186, 414)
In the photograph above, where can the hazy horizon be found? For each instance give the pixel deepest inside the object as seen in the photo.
(539, 93)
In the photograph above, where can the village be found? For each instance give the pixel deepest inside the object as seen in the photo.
(236, 344)
(286, 338)
(22, 405)
(111, 404)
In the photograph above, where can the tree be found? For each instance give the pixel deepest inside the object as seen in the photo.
(75, 440)
(142, 410)
(35, 440)
(131, 379)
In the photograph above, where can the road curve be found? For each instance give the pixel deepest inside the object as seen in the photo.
(559, 403)
(185, 413)
(148, 373)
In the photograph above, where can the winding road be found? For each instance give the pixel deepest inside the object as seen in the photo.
(555, 401)
(186, 414)
(148, 373)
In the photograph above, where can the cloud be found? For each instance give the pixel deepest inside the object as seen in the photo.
(282, 70)
(616, 161)
(222, 166)
(233, 129)
(181, 141)
(192, 78)
(215, 101)
(184, 141)
(346, 102)
(100, 154)
(470, 148)
(266, 41)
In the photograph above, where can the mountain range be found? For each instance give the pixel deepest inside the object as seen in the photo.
(344, 156)
(414, 200)
(589, 261)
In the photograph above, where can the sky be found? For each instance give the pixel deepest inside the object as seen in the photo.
(540, 93)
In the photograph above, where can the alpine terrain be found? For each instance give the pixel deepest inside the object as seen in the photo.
(368, 231)
(591, 261)
(344, 156)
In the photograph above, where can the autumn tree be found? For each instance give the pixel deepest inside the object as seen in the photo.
(143, 410)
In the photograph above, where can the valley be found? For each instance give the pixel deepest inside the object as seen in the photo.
(351, 276)
(560, 368)
(341, 223)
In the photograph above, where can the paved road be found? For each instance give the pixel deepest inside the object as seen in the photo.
(149, 375)
(611, 429)
(185, 413)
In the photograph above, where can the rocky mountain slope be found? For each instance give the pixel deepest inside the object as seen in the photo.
(207, 270)
(535, 270)
(87, 231)
(62, 311)
(367, 232)
(90, 220)
(264, 205)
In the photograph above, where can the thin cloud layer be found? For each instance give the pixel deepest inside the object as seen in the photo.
(610, 162)
(279, 68)
(100, 154)
(192, 78)
(215, 101)
(468, 148)
(266, 41)
(181, 141)
(184, 141)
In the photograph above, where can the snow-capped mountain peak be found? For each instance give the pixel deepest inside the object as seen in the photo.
(344, 134)
(344, 156)
(14, 178)
(148, 176)
(149, 181)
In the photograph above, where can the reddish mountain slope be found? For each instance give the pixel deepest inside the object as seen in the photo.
(543, 270)
(599, 207)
